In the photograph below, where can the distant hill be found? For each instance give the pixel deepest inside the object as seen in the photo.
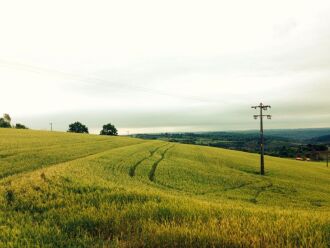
(281, 143)
(297, 134)
(325, 139)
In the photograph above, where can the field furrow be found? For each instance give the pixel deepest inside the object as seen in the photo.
(133, 167)
(155, 164)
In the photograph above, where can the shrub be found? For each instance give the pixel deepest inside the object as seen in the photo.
(20, 126)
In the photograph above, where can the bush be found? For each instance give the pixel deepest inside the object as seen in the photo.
(20, 126)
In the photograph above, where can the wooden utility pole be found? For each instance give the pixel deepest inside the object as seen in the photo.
(327, 156)
(262, 150)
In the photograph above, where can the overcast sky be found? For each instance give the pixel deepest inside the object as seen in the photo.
(156, 66)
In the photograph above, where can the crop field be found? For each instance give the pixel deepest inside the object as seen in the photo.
(72, 190)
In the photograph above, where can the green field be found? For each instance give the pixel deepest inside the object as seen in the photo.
(72, 190)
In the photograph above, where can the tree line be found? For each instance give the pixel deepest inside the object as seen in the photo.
(76, 127)
(5, 122)
(314, 149)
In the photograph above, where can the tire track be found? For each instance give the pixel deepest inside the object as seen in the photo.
(119, 166)
(239, 186)
(261, 190)
(132, 169)
(154, 166)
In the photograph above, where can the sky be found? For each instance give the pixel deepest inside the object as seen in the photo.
(165, 66)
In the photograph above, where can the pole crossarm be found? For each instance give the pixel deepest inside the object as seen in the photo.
(264, 107)
(256, 116)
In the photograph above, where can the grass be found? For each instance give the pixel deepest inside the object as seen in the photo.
(71, 190)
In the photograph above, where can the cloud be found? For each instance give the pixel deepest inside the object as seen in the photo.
(188, 64)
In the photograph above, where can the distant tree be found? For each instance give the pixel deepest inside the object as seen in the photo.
(4, 123)
(109, 129)
(20, 126)
(77, 127)
(7, 118)
(283, 152)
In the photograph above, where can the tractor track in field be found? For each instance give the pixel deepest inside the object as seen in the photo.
(154, 166)
(239, 186)
(261, 190)
(123, 160)
(132, 169)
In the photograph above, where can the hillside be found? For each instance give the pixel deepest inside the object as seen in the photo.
(72, 190)
(321, 139)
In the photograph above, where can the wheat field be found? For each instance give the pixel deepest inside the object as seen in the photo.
(72, 190)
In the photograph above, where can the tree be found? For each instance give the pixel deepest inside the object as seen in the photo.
(77, 127)
(7, 118)
(4, 123)
(20, 126)
(109, 129)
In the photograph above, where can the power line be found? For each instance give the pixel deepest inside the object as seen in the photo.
(262, 141)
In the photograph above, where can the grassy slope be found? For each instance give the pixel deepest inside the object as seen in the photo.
(59, 189)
